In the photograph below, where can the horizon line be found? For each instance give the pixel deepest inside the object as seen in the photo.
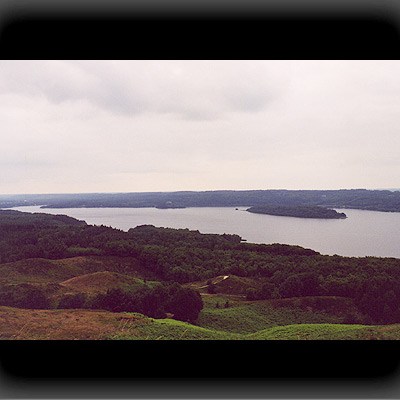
(193, 191)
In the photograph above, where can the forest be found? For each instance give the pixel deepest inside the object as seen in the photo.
(179, 256)
(376, 200)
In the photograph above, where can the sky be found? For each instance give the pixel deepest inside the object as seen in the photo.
(79, 126)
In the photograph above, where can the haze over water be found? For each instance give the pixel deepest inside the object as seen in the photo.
(363, 233)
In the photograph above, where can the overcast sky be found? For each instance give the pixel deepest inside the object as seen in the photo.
(132, 126)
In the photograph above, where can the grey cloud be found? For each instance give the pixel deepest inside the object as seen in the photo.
(248, 101)
(152, 125)
(193, 90)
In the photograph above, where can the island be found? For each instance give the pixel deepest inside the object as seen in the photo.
(298, 211)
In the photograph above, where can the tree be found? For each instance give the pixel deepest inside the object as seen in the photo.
(251, 294)
(266, 291)
(291, 287)
(34, 298)
(72, 301)
(211, 288)
(309, 284)
(185, 304)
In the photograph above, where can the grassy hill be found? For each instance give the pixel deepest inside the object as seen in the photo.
(21, 324)
(42, 270)
(34, 278)
(241, 316)
(226, 315)
(99, 282)
(228, 284)
(328, 332)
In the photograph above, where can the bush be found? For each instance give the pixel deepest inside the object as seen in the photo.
(251, 294)
(291, 287)
(24, 296)
(211, 288)
(184, 303)
(72, 301)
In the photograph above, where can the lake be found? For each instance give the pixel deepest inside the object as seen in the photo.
(363, 233)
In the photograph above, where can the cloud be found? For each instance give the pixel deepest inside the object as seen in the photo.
(190, 89)
(194, 125)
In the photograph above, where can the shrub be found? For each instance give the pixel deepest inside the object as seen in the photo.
(72, 301)
(211, 288)
(24, 296)
(184, 303)
(251, 294)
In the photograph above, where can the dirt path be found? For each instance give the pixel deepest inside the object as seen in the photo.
(216, 280)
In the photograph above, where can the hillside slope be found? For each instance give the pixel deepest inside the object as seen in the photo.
(99, 282)
(20, 324)
(44, 270)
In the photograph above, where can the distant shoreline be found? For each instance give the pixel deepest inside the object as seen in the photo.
(361, 199)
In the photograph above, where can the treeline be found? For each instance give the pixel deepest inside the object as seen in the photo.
(12, 219)
(182, 303)
(297, 211)
(378, 200)
(183, 256)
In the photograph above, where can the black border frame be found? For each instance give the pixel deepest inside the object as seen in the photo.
(198, 369)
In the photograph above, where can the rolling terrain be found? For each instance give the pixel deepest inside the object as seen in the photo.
(63, 278)
(226, 315)
(78, 324)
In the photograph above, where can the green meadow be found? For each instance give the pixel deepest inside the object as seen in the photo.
(256, 321)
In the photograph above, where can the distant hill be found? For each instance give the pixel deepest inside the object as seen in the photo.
(377, 200)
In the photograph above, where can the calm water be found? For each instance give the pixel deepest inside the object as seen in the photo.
(363, 233)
